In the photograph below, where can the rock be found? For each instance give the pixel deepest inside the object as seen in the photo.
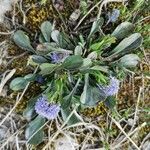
(146, 145)
(64, 143)
(3, 131)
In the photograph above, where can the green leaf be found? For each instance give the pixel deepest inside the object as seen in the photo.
(129, 61)
(18, 83)
(123, 30)
(47, 68)
(95, 27)
(46, 48)
(91, 95)
(73, 119)
(32, 128)
(86, 63)
(30, 77)
(43, 2)
(104, 69)
(29, 111)
(78, 50)
(128, 44)
(93, 55)
(66, 101)
(72, 62)
(110, 102)
(41, 38)
(22, 41)
(105, 43)
(46, 29)
(55, 36)
(84, 6)
(64, 41)
(38, 59)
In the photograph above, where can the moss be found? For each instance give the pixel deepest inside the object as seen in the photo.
(100, 109)
(33, 90)
(36, 16)
(20, 63)
(21, 66)
(114, 5)
(144, 131)
(3, 29)
(39, 13)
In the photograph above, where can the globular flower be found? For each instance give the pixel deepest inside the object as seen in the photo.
(58, 57)
(112, 88)
(113, 16)
(46, 109)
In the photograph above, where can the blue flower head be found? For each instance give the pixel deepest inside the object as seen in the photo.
(45, 109)
(112, 88)
(113, 17)
(58, 57)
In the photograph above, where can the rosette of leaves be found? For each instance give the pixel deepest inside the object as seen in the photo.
(89, 61)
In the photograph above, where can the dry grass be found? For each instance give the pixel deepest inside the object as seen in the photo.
(81, 135)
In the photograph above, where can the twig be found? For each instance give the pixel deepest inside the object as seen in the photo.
(136, 109)
(19, 99)
(86, 15)
(146, 137)
(127, 136)
(23, 13)
(123, 140)
(16, 57)
(15, 105)
(36, 132)
(58, 131)
(104, 3)
(148, 17)
(3, 82)
(6, 33)
(10, 137)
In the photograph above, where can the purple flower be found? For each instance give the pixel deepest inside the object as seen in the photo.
(114, 15)
(112, 88)
(46, 109)
(58, 57)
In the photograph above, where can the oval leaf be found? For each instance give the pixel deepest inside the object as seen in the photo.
(129, 61)
(30, 77)
(32, 134)
(29, 112)
(123, 30)
(65, 114)
(22, 40)
(87, 62)
(18, 84)
(91, 95)
(96, 26)
(38, 59)
(46, 29)
(73, 62)
(55, 36)
(128, 44)
(78, 50)
(47, 68)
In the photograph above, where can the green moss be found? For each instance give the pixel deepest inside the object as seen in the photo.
(33, 90)
(100, 109)
(39, 13)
